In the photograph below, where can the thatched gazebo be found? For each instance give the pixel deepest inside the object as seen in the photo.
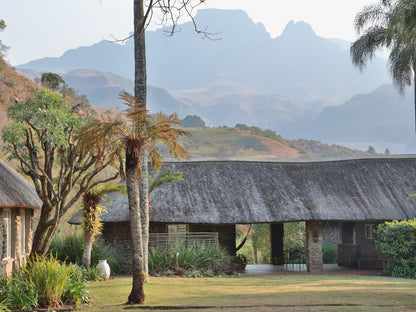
(18, 200)
(353, 195)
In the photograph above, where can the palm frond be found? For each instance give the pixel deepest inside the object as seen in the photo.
(165, 177)
(371, 15)
(400, 66)
(363, 49)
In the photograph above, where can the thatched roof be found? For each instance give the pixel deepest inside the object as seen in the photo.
(263, 191)
(16, 191)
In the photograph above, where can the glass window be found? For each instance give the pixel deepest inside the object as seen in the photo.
(7, 234)
(369, 231)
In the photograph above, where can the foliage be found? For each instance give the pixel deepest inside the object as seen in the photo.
(43, 283)
(388, 24)
(51, 81)
(295, 237)
(256, 248)
(41, 138)
(257, 131)
(19, 293)
(329, 253)
(371, 150)
(159, 179)
(183, 259)
(70, 248)
(3, 47)
(397, 241)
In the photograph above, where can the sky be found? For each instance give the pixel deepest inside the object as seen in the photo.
(48, 28)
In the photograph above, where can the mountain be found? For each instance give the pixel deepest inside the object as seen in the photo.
(382, 118)
(299, 65)
(243, 141)
(103, 88)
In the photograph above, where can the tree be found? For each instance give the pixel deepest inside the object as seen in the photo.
(389, 24)
(41, 137)
(371, 150)
(3, 47)
(91, 212)
(387, 151)
(139, 138)
(169, 12)
(51, 81)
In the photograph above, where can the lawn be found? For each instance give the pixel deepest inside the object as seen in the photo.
(260, 293)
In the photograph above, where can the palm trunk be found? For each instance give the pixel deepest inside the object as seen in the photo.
(144, 213)
(414, 90)
(137, 293)
(86, 256)
(140, 92)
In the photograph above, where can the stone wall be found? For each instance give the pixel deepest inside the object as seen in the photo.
(18, 256)
(117, 235)
(314, 261)
(331, 232)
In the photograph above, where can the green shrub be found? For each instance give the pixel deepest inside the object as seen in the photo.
(44, 283)
(18, 293)
(329, 253)
(183, 259)
(49, 278)
(69, 249)
(74, 290)
(397, 241)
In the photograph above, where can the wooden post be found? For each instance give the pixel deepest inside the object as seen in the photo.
(277, 233)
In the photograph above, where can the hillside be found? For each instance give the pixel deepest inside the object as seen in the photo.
(242, 142)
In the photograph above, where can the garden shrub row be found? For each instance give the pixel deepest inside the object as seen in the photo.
(397, 241)
(193, 259)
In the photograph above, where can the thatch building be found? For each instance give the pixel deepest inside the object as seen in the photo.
(352, 196)
(18, 200)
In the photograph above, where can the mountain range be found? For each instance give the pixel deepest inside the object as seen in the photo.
(298, 84)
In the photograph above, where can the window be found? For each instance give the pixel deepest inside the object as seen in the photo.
(22, 232)
(7, 234)
(369, 231)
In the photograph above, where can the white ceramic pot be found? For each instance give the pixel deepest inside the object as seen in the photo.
(105, 268)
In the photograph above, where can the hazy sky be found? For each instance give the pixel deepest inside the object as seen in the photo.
(46, 28)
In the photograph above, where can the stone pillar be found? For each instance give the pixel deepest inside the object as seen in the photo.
(277, 233)
(314, 261)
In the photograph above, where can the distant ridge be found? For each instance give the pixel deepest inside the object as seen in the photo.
(298, 64)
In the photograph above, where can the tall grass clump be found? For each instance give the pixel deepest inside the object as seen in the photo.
(49, 278)
(69, 249)
(193, 258)
(43, 283)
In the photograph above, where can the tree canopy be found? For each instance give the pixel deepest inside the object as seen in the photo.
(41, 137)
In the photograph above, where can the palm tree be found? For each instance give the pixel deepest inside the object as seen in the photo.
(390, 25)
(138, 137)
(91, 212)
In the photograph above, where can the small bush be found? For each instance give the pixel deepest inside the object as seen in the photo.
(397, 241)
(49, 278)
(44, 283)
(329, 253)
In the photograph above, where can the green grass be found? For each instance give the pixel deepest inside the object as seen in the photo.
(261, 293)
